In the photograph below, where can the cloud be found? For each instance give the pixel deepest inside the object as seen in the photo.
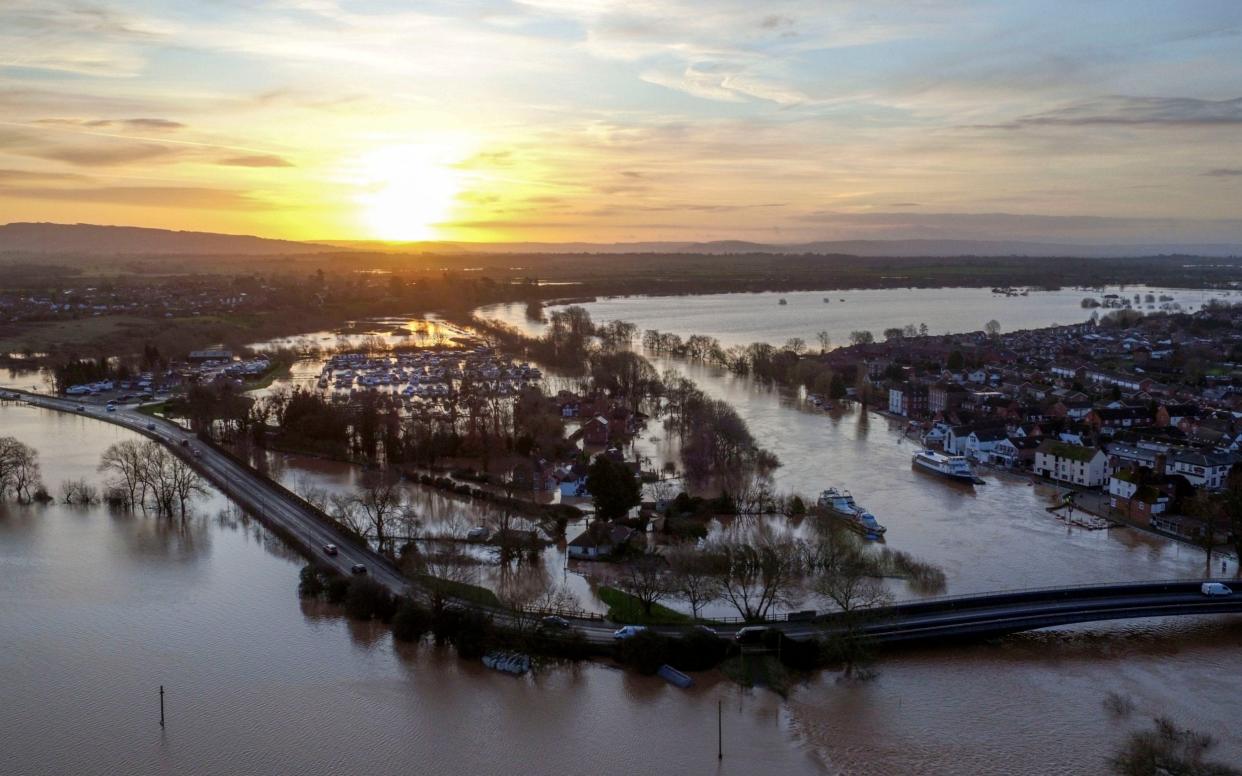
(8, 176)
(86, 38)
(1135, 112)
(127, 124)
(146, 196)
(1224, 172)
(256, 160)
(107, 154)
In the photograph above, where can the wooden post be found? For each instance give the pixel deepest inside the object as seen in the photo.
(719, 729)
(161, 705)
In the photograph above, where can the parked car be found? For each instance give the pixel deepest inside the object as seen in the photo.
(150, 427)
(329, 549)
(751, 634)
(628, 631)
(1215, 588)
(554, 622)
(358, 568)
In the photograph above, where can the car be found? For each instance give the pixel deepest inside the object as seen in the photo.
(628, 631)
(554, 622)
(329, 549)
(150, 427)
(185, 443)
(1215, 588)
(194, 451)
(751, 634)
(358, 568)
(111, 408)
(81, 408)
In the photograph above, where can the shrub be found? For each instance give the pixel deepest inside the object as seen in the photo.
(310, 582)
(411, 621)
(336, 589)
(473, 634)
(699, 650)
(646, 651)
(367, 599)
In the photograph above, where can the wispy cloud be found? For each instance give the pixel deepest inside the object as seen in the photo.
(257, 160)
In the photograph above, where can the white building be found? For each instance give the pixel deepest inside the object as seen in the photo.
(1061, 462)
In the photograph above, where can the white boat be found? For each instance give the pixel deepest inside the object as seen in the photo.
(953, 467)
(839, 503)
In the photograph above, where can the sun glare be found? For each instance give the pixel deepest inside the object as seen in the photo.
(409, 189)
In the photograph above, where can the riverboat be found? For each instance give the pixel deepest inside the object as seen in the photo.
(840, 504)
(952, 467)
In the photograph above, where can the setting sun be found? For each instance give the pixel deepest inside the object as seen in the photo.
(408, 190)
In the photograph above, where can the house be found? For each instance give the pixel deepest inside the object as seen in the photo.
(1062, 462)
(908, 400)
(1129, 495)
(595, 431)
(981, 442)
(1203, 470)
(1015, 451)
(599, 540)
(1119, 417)
(944, 397)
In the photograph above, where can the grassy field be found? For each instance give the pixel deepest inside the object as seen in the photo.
(625, 608)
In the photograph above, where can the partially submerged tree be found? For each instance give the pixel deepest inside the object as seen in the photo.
(19, 469)
(647, 579)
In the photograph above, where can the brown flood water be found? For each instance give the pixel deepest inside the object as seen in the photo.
(97, 610)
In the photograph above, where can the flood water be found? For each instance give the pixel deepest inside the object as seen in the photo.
(740, 319)
(97, 610)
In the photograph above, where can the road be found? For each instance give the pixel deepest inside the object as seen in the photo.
(933, 620)
(243, 485)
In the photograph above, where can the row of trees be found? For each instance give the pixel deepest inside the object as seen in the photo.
(760, 574)
(146, 475)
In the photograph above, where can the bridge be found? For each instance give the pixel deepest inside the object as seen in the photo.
(931, 620)
(997, 614)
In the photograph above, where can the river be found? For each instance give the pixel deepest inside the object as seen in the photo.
(743, 318)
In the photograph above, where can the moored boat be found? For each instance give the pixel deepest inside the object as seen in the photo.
(840, 504)
(952, 467)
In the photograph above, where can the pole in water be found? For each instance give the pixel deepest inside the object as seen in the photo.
(719, 729)
(161, 705)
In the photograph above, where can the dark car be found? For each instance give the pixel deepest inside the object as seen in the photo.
(554, 622)
(357, 568)
(329, 549)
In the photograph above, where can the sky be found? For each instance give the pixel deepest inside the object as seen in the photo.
(628, 120)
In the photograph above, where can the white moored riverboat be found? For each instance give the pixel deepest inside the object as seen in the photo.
(952, 467)
(840, 504)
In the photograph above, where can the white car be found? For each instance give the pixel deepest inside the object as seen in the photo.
(628, 631)
(1215, 588)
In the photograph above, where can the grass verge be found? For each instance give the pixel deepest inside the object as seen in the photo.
(625, 608)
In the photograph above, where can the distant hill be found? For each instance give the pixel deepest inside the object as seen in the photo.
(864, 248)
(89, 239)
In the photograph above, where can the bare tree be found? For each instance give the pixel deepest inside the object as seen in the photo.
(19, 469)
(694, 576)
(125, 461)
(381, 501)
(757, 575)
(825, 341)
(647, 579)
(992, 327)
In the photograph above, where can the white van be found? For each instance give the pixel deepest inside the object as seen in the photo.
(1215, 588)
